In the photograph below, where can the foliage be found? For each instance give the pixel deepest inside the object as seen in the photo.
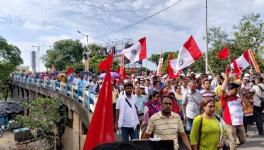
(70, 52)
(96, 59)
(45, 115)
(64, 53)
(9, 59)
(155, 59)
(248, 34)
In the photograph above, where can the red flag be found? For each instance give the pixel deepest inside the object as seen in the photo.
(132, 70)
(106, 64)
(143, 51)
(169, 68)
(227, 70)
(237, 71)
(223, 54)
(121, 71)
(69, 70)
(118, 69)
(101, 129)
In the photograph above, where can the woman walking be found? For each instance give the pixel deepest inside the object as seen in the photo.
(207, 132)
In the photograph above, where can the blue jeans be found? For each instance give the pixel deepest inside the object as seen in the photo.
(127, 132)
(189, 125)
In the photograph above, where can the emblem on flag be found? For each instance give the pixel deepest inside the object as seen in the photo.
(181, 62)
(134, 52)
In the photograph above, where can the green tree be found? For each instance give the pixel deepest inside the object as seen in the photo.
(248, 34)
(9, 59)
(47, 116)
(64, 53)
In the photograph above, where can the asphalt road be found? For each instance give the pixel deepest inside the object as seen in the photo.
(255, 142)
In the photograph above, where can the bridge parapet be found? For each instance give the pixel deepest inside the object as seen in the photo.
(80, 101)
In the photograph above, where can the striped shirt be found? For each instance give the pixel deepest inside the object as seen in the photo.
(165, 128)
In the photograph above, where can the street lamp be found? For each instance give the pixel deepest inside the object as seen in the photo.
(86, 54)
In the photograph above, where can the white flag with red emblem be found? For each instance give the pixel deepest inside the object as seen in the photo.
(136, 52)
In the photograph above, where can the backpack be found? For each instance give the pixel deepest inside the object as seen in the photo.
(262, 96)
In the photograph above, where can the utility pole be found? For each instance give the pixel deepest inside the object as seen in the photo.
(206, 39)
(86, 54)
(38, 53)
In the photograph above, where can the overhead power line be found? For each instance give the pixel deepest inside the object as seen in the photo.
(140, 21)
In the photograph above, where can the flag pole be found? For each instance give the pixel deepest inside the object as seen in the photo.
(147, 66)
(209, 67)
(229, 59)
(206, 39)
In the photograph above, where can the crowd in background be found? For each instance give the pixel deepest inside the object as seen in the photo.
(198, 110)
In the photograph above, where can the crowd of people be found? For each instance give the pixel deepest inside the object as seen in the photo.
(197, 110)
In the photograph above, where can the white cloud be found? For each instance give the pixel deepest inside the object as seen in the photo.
(51, 39)
(51, 20)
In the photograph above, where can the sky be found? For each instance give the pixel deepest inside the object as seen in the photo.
(27, 23)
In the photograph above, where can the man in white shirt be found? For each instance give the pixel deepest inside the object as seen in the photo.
(258, 90)
(184, 86)
(191, 104)
(76, 80)
(126, 114)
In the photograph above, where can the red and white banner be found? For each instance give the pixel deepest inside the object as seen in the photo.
(243, 61)
(188, 54)
(136, 52)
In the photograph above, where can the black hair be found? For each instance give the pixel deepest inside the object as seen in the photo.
(154, 93)
(128, 84)
(166, 96)
(233, 86)
(206, 80)
(260, 79)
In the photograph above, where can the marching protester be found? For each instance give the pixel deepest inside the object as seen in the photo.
(232, 113)
(126, 114)
(258, 103)
(151, 107)
(175, 106)
(148, 87)
(167, 125)
(247, 109)
(207, 132)
(141, 100)
(207, 92)
(191, 104)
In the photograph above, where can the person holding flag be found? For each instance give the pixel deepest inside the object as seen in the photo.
(101, 128)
